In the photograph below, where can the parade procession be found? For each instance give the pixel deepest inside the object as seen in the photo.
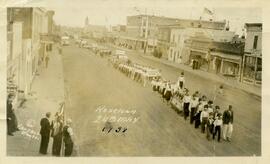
(115, 81)
(194, 107)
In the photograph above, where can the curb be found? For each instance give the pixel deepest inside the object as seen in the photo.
(224, 81)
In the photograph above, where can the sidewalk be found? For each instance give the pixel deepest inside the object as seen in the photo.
(227, 82)
(48, 92)
(221, 79)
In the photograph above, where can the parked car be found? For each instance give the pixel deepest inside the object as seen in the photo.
(83, 43)
(64, 40)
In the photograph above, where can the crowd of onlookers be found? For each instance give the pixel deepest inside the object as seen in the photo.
(60, 131)
(194, 107)
(61, 134)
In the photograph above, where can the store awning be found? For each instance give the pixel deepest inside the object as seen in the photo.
(227, 56)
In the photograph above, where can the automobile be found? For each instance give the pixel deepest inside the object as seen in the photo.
(83, 43)
(87, 46)
(64, 40)
(78, 41)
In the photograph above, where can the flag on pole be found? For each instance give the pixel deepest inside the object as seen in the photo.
(207, 11)
(61, 109)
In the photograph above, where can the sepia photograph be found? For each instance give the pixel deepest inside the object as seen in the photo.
(91, 80)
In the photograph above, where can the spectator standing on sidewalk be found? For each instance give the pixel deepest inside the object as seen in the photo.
(11, 117)
(45, 133)
(68, 138)
(228, 124)
(47, 61)
(57, 134)
(181, 80)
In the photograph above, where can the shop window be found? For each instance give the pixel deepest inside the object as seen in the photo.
(144, 22)
(258, 76)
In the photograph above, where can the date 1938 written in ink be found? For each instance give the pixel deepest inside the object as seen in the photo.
(116, 130)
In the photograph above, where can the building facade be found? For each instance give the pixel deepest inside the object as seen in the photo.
(226, 59)
(182, 32)
(25, 28)
(142, 31)
(252, 61)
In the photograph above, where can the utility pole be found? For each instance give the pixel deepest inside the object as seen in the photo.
(146, 32)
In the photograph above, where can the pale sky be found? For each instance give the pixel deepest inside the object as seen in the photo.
(108, 12)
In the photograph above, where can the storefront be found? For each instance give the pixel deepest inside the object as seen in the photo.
(226, 64)
(200, 58)
(252, 69)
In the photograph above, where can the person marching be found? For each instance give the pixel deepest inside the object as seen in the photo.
(168, 93)
(227, 124)
(186, 103)
(154, 84)
(210, 107)
(204, 118)
(45, 133)
(68, 138)
(193, 106)
(57, 133)
(197, 116)
(216, 112)
(181, 80)
(217, 127)
(209, 126)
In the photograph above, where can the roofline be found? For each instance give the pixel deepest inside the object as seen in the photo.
(183, 19)
(253, 24)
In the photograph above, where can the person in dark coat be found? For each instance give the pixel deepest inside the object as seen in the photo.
(227, 124)
(57, 133)
(209, 126)
(11, 118)
(197, 115)
(68, 138)
(45, 133)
